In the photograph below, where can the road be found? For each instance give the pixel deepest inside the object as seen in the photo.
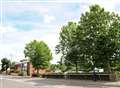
(19, 82)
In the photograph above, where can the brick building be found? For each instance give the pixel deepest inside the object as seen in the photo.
(27, 66)
(31, 70)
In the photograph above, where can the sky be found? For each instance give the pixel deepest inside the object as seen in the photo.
(22, 21)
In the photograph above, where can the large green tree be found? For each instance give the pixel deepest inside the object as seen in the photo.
(71, 52)
(94, 41)
(5, 64)
(39, 54)
(101, 33)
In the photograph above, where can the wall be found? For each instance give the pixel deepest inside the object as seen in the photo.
(31, 70)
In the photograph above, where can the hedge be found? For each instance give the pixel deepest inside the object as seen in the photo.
(89, 76)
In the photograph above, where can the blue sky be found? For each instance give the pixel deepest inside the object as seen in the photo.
(25, 20)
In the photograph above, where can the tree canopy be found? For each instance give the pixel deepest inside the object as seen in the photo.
(5, 64)
(92, 42)
(38, 53)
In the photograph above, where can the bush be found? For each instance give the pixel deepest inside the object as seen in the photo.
(117, 73)
(0, 72)
(21, 74)
(87, 76)
(9, 73)
(54, 75)
(35, 75)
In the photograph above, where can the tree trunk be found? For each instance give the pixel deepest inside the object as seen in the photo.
(38, 71)
(76, 67)
(108, 67)
(6, 70)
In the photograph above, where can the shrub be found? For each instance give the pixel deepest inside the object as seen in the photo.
(117, 73)
(35, 75)
(21, 74)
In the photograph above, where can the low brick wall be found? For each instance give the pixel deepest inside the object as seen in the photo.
(102, 77)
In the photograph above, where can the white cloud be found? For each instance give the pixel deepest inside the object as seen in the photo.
(107, 4)
(48, 19)
(5, 29)
(13, 42)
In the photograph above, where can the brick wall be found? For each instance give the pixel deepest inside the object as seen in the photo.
(31, 70)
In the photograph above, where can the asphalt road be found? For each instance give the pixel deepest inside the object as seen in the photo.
(18, 82)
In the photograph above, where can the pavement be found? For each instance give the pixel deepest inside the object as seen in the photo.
(27, 82)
